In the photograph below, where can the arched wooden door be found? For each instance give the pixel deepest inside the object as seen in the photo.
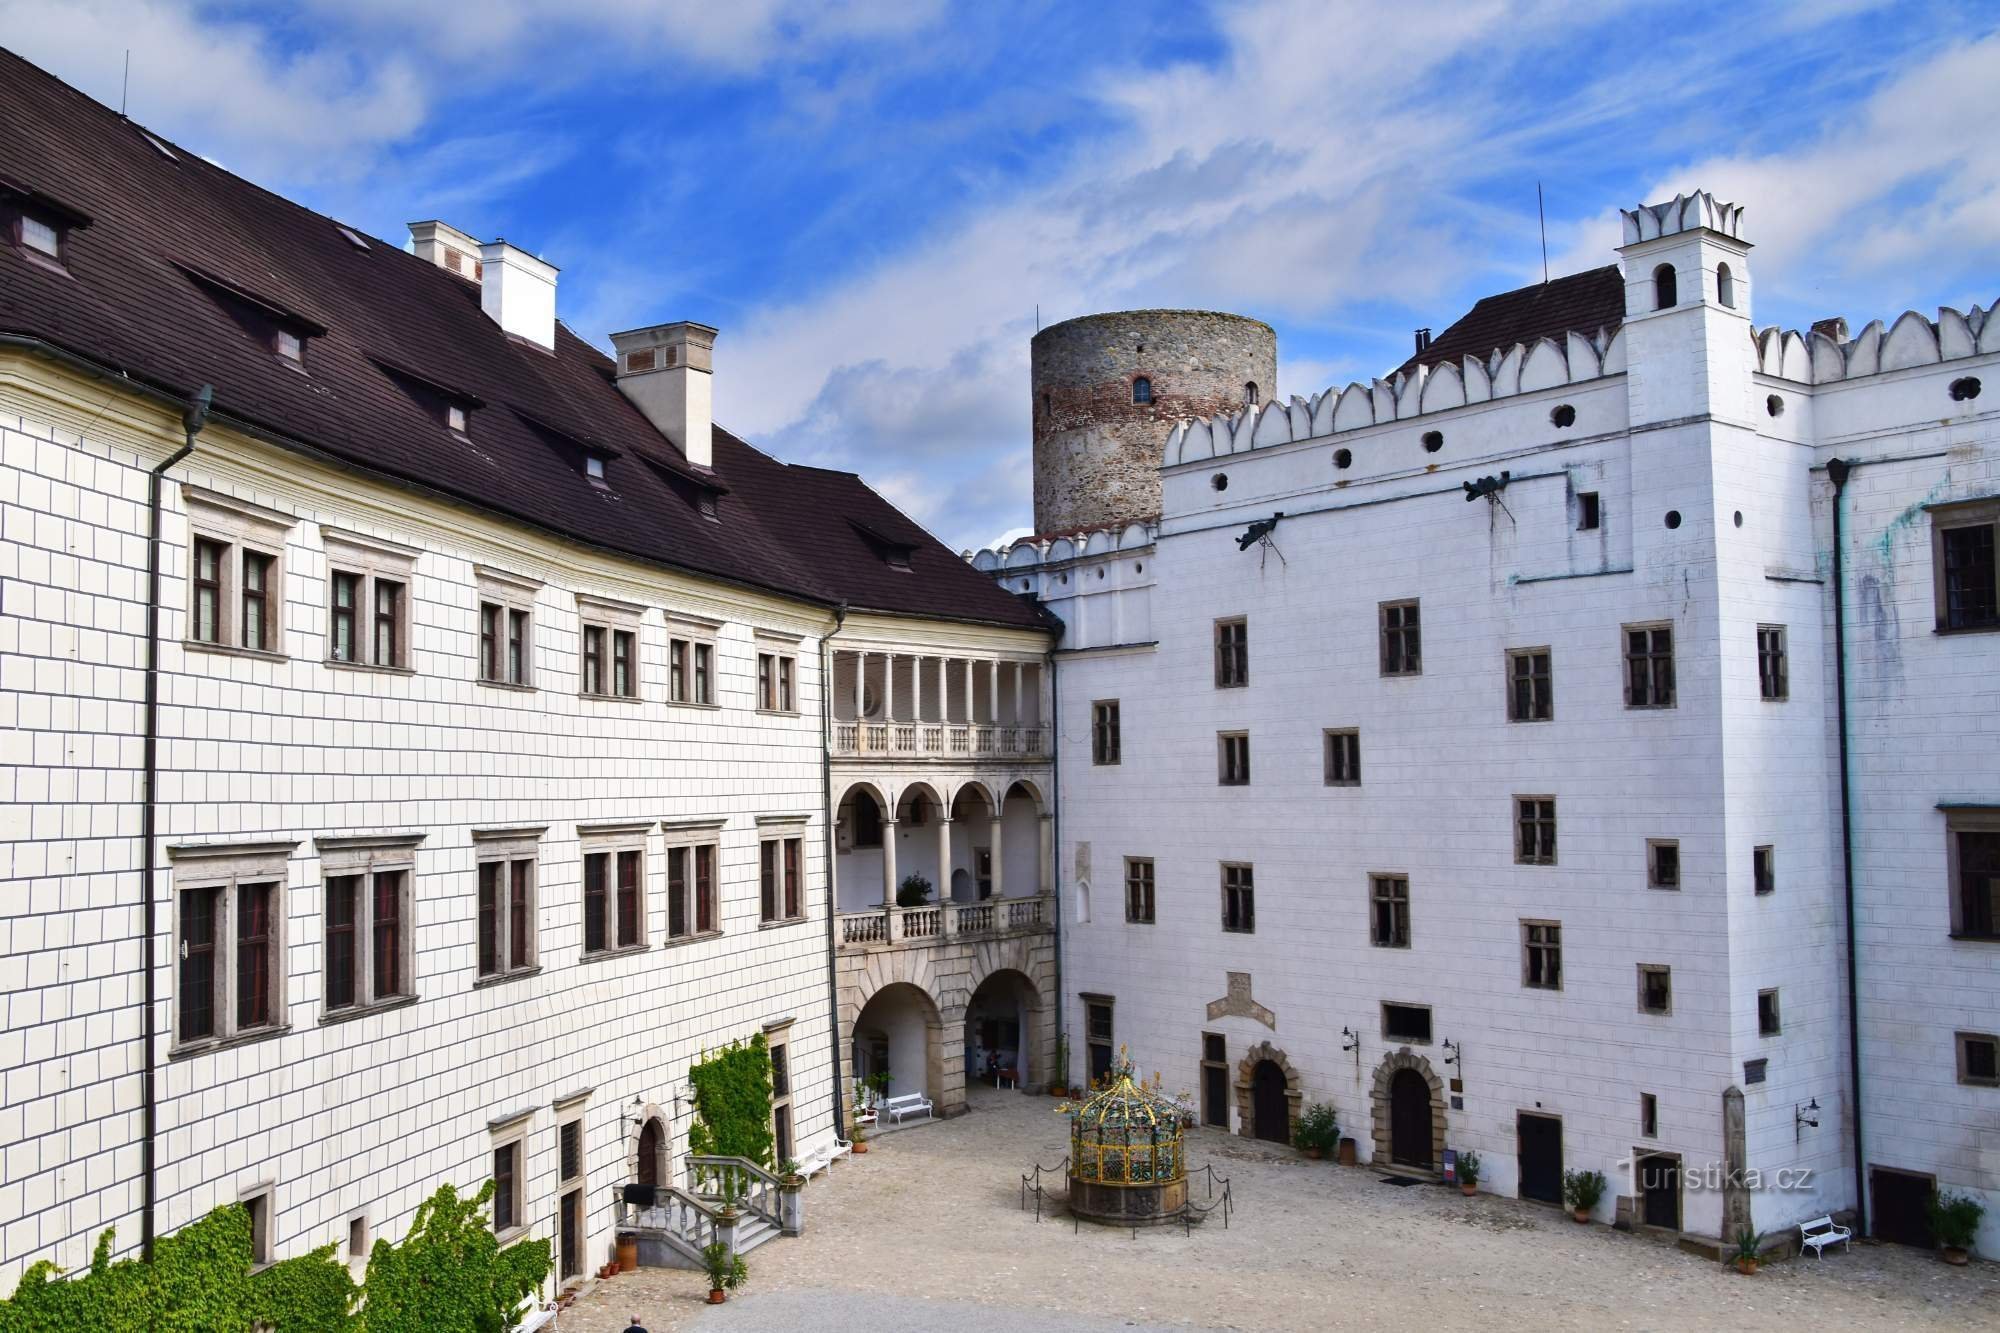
(650, 1147)
(1410, 1119)
(1269, 1116)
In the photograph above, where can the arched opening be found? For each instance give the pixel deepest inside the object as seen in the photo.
(971, 844)
(999, 1031)
(1142, 390)
(1020, 868)
(858, 828)
(1409, 1119)
(898, 1034)
(1250, 393)
(918, 837)
(1666, 288)
(651, 1166)
(1725, 286)
(1269, 1112)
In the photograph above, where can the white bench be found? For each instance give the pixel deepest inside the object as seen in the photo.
(822, 1157)
(909, 1104)
(1821, 1232)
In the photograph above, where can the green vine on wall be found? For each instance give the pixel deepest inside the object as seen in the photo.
(732, 1103)
(448, 1276)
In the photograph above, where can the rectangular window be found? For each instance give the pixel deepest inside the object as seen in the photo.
(677, 891)
(388, 623)
(596, 889)
(1530, 686)
(518, 651)
(570, 1151)
(775, 690)
(1649, 666)
(1402, 639)
(1104, 738)
(1535, 830)
(1663, 863)
(1963, 566)
(781, 1102)
(236, 586)
(369, 922)
(38, 235)
(1215, 1080)
(1541, 943)
(386, 919)
(1139, 890)
(704, 673)
(624, 664)
(613, 899)
(257, 590)
(491, 617)
(342, 912)
(631, 898)
(1974, 850)
(593, 659)
(228, 944)
(1587, 512)
(255, 956)
(1979, 1059)
(677, 670)
(1232, 653)
(1097, 1035)
(340, 639)
(506, 908)
(258, 1205)
(199, 957)
(209, 558)
(1764, 870)
(1239, 899)
(770, 876)
(1649, 1115)
(1406, 1022)
(368, 598)
(1343, 758)
(1656, 989)
(1773, 667)
(507, 1211)
(1232, 749)
(1767, 1013)
(1389, 911)
(492, 888)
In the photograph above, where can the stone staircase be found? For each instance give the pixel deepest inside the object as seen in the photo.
(682, 1222)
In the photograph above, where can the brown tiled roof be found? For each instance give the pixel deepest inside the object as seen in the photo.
(1586, 302)
(174, 244)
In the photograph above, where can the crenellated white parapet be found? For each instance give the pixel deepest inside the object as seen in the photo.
(1037, 552)
(1819, 358)
(1502, 373)
(1684, 212)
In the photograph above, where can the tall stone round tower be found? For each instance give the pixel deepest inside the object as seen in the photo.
(1107, 391)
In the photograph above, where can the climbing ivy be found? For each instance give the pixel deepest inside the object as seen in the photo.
(732, 1103)
(450, 1275)
(199, 1281)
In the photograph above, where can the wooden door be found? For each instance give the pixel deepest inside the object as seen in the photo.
(1660, 1191)
(649, 1154)
(1541, 1154)
(1270, 1117)
(1410, 1119)
(571, 1217)
(1214, 1080)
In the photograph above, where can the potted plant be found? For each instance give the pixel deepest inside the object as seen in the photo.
(1318, 1132)
(877, 1084)
(1468, 1173)
(790, 1178)
(1059, 1085)
(1955, 1221)
(726, 1270)
(914, 891)
(1581, 1191)
(1749, 1247)
(858, 1137)
(731, 1192)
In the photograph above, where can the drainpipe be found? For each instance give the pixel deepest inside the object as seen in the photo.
(1837, 471)
(832, 882)
(192, 420)
(1055, 831)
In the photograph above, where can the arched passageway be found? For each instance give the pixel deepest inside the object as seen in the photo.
(900, 1033)
(1000, 1030)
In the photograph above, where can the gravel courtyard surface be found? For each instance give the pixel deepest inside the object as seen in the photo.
(925, 1233)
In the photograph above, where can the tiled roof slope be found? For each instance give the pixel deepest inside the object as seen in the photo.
(130, 302)
(1588, 301)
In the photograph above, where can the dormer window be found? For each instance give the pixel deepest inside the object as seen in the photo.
(41, 236)
(593, 467)
(37, 224)
(290, 346)
(454, 418)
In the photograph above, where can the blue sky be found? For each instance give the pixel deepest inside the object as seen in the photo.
(871, 200)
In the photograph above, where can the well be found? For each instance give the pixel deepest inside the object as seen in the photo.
(1127, 1163)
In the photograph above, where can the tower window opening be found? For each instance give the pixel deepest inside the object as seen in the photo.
(1250, 393)
(1725, 286)
(1142, 390)
(1666, 288)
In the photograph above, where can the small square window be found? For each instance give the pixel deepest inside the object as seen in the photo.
(1979, 1059)
(290, 346)
(1656, 989)
(1406, 1022)
(454, 417)
(1587, 516)
(1764, 870)
(593, 467)
(1753, 1071)
(1663, 863)
(1343, 758)
(1767, 1013)
(41, 237)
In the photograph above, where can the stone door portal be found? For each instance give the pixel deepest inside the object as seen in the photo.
(1410, 1119)
(1267, 1097)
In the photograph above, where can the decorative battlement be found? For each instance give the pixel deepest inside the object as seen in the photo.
(1684, 212)
(1817, 357)
(1037, 552)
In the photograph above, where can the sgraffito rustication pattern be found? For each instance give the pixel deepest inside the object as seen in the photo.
(1097, 450)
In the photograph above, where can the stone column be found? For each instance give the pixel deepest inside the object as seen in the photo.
(945, 922)
(999, 879)
(889, 877)
(993, 690)
(971, 709)
(1735, 1157)
(1046, 867)
(1019, 716)
(889, 690)
(860, 693)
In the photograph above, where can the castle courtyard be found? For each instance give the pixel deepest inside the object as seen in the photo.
(925, 1233)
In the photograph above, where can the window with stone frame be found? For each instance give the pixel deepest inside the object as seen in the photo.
(1649, 666)
(1764, 870)
(507, 932)
(1232, 653)
(691, 661)
(1656, 988)
(1774, 672)
(258, 1201)
(778, 1045)
(1105, 742)
(1343, 757)
(1232, 757)
(368, 601)
(780, 868)
(1389, 911)
(1139, 890)
(506, 627)
(693, 853)
(1978, 1059)
(608, 666)
(1239, 898)
(614, 888)
(1964, 573)
(777, 686)
(1541, 955)
(1098, 1036)
(370, 922)
(509, 1175)
(1768, 1020)
(1535, 830)
(1402, 638)
(1406, 1022)
(1973, 854)
(1530, 686)
(571, 1169)
(229, 935)
(1663, 863)
(236, 574)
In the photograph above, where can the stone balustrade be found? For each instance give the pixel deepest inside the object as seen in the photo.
(880, 926)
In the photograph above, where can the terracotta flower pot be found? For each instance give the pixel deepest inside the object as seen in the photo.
(1747, 1267)
(1581, 1214)
(1058, 1090)
(1954, 1255)
(1313, 1154)
(716, 1296)
(1345, 1153)
(1468, 1188)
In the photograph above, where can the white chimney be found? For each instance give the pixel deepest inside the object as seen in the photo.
(446, 246)
(667, 371)
(518, 292)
